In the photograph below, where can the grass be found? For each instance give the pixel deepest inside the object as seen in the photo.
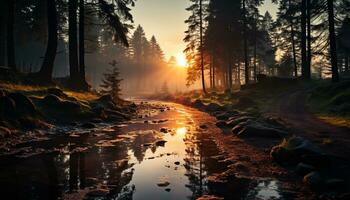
(40, 91)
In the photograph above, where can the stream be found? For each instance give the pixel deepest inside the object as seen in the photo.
(161, 154)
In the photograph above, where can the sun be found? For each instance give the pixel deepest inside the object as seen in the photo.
(181, 61)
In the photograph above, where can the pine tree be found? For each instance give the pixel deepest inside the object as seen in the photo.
(194, 37)
(111, 84)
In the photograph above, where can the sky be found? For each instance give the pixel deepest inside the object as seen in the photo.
(165, 20)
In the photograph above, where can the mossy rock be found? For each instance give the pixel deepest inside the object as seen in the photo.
(24, 106)
(52, 99)
(57, 92)
(7, 107)
(30, 123)
(4, 132)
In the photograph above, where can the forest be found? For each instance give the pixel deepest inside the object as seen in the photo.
(185, 99)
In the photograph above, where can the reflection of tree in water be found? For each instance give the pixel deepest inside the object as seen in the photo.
(199, 162)
(141, 138)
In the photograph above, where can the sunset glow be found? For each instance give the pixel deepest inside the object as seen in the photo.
(181, 61)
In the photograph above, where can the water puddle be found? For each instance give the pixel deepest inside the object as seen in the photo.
(160, 155)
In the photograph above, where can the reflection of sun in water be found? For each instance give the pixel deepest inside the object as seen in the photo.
(181, 131)
(181, 60)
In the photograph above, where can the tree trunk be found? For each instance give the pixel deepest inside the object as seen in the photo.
(201, 43)
(84, 84)
(214, 79)
(2, 37)
(309, 50)
(11, 60)
(46, 70)
(332, 41)
(230, 74)
(73, 42)
(293, 43)
(303, 40)
(245, 41)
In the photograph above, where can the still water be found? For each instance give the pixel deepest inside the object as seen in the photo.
(161, 154)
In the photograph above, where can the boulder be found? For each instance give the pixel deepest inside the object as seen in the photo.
(198, 103)
(212, 107)
(223, 116)
(234, 122)
(318, 160)
(7, 107)
(257, 129)
(314, 180)
(107, 101)
(32, 123)
(304, 169)
(57, 92)
(51, 99)
(70, 106)
(294, 150)
(238, 128)
(160, 143)
(221, 124)
(88, 125)
(4, 132)
(24, 106)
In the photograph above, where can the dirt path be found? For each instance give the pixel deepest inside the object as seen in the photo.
(291, 107)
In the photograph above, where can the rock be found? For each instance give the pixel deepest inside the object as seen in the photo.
(7, 107)
(294, 150)
(52, 99)
(163, 184)
(164, 130)
(96, 121)
(32, 123)
(88, 125)
(107, 101)
(283, 156)
(319, 161)
(198, 103)
(70, 106)
(234, 122)
(238, 128)
(57, 92)
(160, 143)
(223, 116)
(256, 129)
(239, 166)
(304, 169)
(203, 126)
(24, 106)
(4, 132)
(212, 107)
(314, 180)
(221, 124)
(335, 184)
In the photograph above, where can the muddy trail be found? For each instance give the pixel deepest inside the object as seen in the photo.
(168, 152)
(292, 108)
